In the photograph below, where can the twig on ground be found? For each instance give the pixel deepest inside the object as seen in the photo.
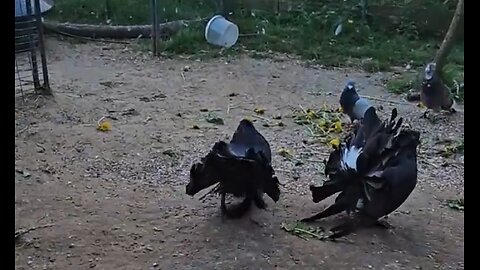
(22, 130)
(263, 118)
(21, 232)
(283, 170)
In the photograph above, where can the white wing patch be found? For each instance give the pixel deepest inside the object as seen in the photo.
(349, 158)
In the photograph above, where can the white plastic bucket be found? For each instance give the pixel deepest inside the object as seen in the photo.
(219, 31)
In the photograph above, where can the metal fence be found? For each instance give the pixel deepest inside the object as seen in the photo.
(31, 71)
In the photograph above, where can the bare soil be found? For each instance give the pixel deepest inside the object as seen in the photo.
(117, 199)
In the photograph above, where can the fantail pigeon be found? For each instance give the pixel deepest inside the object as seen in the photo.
(375, 170)
(241, 167)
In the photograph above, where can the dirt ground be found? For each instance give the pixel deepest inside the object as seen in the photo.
(117, 199)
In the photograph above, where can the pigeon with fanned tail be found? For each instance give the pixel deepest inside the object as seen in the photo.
(241, 168)
(375, 171)
(352, 104)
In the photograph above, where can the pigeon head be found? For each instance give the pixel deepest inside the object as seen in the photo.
(201, 177)
(350, 85)
(246, 123)
(430, 70)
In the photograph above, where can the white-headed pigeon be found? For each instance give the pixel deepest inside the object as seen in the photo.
(435, 95)
(352, 104)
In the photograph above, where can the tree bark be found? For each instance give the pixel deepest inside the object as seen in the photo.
(114, 32)
(450, 36)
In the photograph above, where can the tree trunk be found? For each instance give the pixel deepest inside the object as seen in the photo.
(449, 40)
(115, 32)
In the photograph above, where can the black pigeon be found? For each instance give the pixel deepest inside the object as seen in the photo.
(375, 171)
(435, 95)
(241, 168)
(352, 104)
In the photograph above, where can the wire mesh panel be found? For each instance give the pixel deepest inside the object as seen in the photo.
(31, 71)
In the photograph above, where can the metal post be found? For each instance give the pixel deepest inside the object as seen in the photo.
(32, 44)
(41, 44)
(154, 27)
(221, 5)
(157, 34)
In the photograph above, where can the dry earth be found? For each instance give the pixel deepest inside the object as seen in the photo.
(117, 199)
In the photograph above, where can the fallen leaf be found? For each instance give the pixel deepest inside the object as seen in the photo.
(334, 142)
(456, 204)
(104, 126)
(24, 173)
(169, 153)
(305, 232)
(337, 126)
(214, 119)
(322, 123)
(338, 29)
(259, 111)
(285, 153)
(130, 111)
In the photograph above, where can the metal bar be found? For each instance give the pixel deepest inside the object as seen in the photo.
(33, 53)
(25, 36)
(154, 27)
(38, 15)
(20, 22)
(26, 29)
(23, 75)
(20, 80)
(223, 11)
(28, 49)
(33, 39)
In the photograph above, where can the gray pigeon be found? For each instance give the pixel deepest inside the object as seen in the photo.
(241, 167)
(375, 171)
(352, 104)
(434, 94)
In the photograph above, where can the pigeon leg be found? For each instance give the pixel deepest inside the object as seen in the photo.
(425, 114)
(383, 224)
(451, 111)
(343, 229)
(432, 116)
(350, 226)
(258, 200)
(331, 210)
(237, 211)
(223, 206)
